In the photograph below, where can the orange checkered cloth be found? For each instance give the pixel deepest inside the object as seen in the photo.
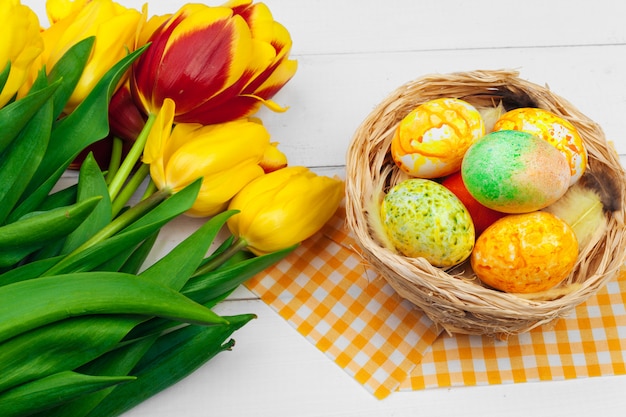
(328, 293)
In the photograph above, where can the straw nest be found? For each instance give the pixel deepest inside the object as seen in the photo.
(455, 299)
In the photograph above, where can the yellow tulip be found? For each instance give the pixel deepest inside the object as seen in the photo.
(20, 45)
(59, 9)
(115, 28)
(226, 156)
(283, 208)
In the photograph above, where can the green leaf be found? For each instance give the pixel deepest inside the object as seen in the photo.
(180, 262)
(109, 242)
(22, 157)
(91, 183)
(14, 116)
(132, 260)
(87, 124)
(25, 236)
(214, 284)
(171, 358)
(51, 250)
(116, 362)
(63, 197)
(172, 207)
(28, 270)
(59, 346)
(133, 263)
(70, 69)
(33, 201)
(90, 258)
(175, 268)
(210, 288)
(53, 390)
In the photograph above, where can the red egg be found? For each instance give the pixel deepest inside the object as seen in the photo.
(482, 216)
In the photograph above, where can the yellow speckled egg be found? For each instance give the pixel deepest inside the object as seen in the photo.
(554, 129)
(525, 253)
(422, 218)
(431, 140)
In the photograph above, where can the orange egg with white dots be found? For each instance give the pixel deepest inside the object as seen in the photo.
(553, 129)
(525, 253)
(432, 139)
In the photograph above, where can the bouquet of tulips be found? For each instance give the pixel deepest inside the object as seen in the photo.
(87, 328)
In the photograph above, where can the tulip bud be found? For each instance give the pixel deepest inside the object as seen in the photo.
(20, 45)
(283, 208)
(226, 156)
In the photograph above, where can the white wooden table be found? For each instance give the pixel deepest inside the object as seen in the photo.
(351, 55)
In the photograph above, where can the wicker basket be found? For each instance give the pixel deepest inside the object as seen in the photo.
(455, 299)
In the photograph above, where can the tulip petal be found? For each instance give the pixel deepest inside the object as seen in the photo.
(237, 5)
(107, 50)
(159, 134)
(20, 44)
(60, 9)
(276, 79)
(213, 148)
(229, 106)
(226, 101)
(125, 118)
(215, 193)
(273, 159)
(149, 27)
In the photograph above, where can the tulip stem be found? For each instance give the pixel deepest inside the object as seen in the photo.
(116, 158)
(151, 188)
(129, 190)
(131, 159)
(237, 245)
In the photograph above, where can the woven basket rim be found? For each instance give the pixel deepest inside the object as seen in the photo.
(454, 301)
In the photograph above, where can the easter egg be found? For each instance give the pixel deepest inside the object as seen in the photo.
(555, 130)
(431, 140)
(515, 172)
(482, 216)
(525, 253)
(422, 218)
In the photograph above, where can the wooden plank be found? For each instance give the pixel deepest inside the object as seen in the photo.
(331, 94)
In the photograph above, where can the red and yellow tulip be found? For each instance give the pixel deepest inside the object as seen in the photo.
(217, 63)
(283, 208)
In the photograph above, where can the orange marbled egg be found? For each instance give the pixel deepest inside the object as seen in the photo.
(431, 140)
(525, 253)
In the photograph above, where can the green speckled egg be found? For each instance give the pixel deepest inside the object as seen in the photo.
(422, 218)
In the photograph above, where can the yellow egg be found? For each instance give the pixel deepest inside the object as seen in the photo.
(431, 140)
(525, 253)
(422, 218)
(554, 129)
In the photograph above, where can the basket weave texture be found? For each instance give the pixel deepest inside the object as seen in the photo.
(455, 299)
